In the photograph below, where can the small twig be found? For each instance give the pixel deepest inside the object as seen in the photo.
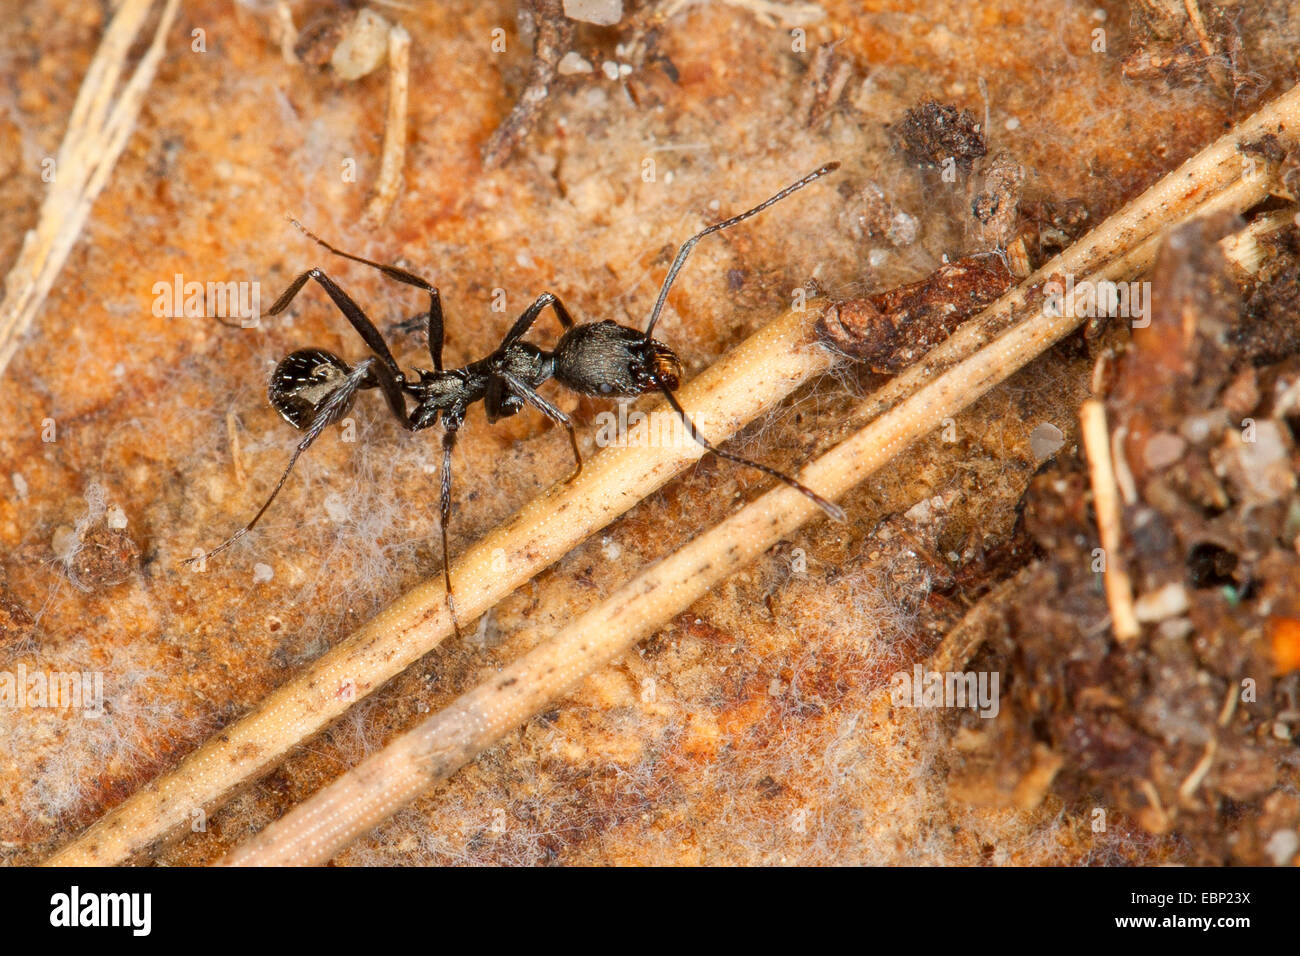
(97, 132)
(554, 34)
(1199, 772)
(282, 26)
(1198, 26)
(1229, 704)
(236, 448)
(1105, 500)
(1160, 822)
(767, 12)
(1244, 249)
(394, 154)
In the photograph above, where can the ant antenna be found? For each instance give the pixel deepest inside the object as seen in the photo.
(834, 510)
(689, 244)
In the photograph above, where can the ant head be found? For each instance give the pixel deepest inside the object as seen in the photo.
(605, 358)
(303, 380)
(660, 367)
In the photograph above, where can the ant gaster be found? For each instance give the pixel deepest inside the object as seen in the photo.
(313, 388)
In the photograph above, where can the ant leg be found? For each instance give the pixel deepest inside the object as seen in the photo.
(834, 510)
(329, 411)
(444, 509)
(530, 314)
(433, 320)
(689, 244)
(360, 321)
(524, 391)
(392, 389)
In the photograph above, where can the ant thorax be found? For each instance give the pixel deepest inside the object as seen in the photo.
(438, 390)
(523, 361)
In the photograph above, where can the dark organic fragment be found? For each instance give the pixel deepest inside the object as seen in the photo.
(995, 205)
(318, 39)
(934, 132)
(15, 620)
(106, 557)
(554, 31)
(1185, 43)
(1057, 224)
(827, 75)
(891, 330)
(1271, 332)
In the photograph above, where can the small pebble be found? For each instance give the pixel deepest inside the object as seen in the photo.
(1168, 601)
(262, 573)
(364, 47)
(1175, 628)
(64, 542)
(336, 508)
(903, 230)
(1197, 428)
(1263, 466)
(572, 63)
(1162, 450)
(923, 511)
(603, 13)
(1241, 396)
(610, 69)
(1045, 441)
(1282, 846)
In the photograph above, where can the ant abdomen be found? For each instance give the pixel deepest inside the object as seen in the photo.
(605, 358)
(302, 381)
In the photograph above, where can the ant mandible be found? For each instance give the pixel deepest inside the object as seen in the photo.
(313, 388)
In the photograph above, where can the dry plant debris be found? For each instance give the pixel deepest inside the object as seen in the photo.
(96, 134)
(892, 330)
(935, 133)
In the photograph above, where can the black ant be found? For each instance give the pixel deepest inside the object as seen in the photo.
(313, 388)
